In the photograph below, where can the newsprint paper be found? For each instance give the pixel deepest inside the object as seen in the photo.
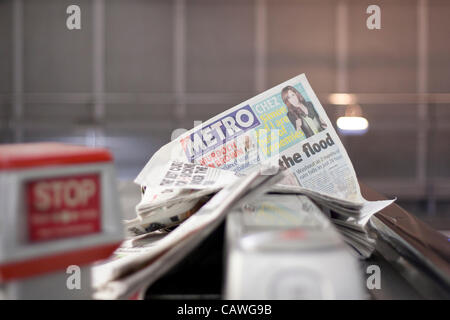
(285, 126)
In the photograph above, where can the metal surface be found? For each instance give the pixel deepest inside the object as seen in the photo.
(420, 254)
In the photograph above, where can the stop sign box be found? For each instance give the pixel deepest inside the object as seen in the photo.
(58, 207)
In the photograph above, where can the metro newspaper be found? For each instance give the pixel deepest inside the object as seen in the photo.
(285, 125)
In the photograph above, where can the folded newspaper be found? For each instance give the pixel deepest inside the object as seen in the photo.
(284, 128)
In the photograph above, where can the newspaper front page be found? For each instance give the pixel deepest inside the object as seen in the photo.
(286, 126)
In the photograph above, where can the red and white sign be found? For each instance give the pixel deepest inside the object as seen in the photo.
(63, 207)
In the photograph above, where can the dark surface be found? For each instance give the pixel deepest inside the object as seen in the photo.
(393, 285)
(198, 276)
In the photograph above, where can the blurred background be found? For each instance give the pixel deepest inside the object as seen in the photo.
(139, 69)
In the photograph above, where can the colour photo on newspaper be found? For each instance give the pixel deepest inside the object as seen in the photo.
(285, 125)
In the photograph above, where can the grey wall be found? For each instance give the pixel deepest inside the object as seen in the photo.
(138, 69)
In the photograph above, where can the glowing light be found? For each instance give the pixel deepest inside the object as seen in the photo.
(341, 98)
(352, 125)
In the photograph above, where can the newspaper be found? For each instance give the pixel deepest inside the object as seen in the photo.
(162, 218)
(285, 126)
(179, 174)
(172, 195)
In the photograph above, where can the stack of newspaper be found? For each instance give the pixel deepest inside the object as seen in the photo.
(284, 129)
(174, 194)
(285, 126)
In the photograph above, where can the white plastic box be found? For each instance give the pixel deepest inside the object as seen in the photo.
(284, 247)
(58, 208)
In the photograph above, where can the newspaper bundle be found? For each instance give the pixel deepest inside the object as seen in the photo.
(284, 129)
(177, 191)
(285, 126)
